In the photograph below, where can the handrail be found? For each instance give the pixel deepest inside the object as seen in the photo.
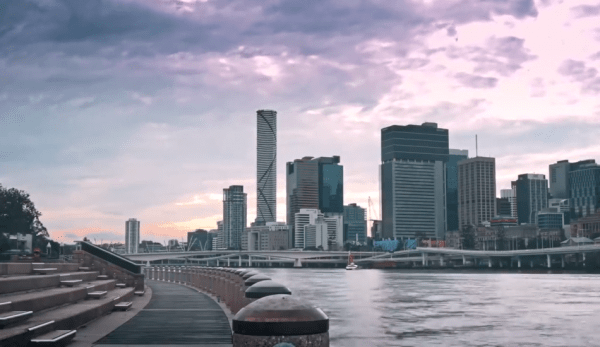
(110, 257)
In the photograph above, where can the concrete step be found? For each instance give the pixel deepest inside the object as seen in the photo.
(54, 338)
(70, 283)
(48, 298)
(45, 270)
(98, 294)
(34, 282)
(9, 269)
(13, 317)
(67, 317)
(123, 306)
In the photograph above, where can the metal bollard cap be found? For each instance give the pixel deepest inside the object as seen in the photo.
(277, 315)
(266, 288)
(255, 279)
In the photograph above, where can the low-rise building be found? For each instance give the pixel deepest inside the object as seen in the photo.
(273, 236)
(586, 226)
(576, 241)
(550, 218)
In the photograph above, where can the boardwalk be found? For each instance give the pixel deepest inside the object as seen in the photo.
(176, 315)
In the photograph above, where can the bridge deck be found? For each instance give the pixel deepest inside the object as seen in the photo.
(176, 315)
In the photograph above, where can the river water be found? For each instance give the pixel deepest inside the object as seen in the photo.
(371, 307)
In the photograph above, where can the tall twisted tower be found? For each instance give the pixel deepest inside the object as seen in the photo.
(266, 166)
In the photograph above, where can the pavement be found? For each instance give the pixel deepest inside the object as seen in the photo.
(175, 315)
(95, 330)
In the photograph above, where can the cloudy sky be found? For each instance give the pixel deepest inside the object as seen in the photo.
(146, 108)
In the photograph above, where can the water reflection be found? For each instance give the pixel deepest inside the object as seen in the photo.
(392, 308)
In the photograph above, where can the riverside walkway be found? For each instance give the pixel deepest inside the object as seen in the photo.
(176, 315)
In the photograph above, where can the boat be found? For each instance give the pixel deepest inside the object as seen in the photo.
(351, 265)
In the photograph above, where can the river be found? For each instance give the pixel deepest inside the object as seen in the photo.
(371, 307)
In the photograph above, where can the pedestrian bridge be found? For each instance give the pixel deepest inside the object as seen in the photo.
(249, 258)
(421, 256)
(441, 256)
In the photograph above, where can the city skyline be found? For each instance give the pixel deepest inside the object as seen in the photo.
(116, 121)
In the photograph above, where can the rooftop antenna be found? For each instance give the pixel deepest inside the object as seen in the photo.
(476, 147)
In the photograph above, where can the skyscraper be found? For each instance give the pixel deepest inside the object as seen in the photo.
(532, 197)
(314, 183)
(413, 181)
(455, 156)
(266, 166)
(476, 190)
(132, 235)
(559, 179)
(234, 216)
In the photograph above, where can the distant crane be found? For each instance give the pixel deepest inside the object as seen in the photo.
(372, 213)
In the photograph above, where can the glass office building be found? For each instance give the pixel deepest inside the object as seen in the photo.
(234, 216)
(314, 183)
(455, 156)
(355, 224)
(532, 197)
(584, 185)
(331, 185)
(413, 181)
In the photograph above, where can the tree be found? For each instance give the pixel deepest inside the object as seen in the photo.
(18, 213)
(467, 235)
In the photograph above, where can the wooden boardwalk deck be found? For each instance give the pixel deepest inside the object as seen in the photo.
(176, 315)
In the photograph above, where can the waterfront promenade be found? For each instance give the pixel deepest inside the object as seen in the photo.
(176, 315)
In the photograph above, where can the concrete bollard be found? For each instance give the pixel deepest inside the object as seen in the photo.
(249, 274)
(277, 319)
(255, 279)
(266, 288)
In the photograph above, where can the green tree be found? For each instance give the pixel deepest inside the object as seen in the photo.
(467, 235)
(18, 213)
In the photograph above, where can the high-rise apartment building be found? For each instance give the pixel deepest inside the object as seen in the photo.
(266, 166)
(532, 197)
(132, 235)
(234, 216)
(454, 157)
(314, 183)
(413, 181)
(476, 190)
(355, 224)
(302, 218)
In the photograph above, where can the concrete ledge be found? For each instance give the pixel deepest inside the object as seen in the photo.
(64, 318)
(41, 300)
(34, 282)
(54, 338)
(94, 331)
(14, 317)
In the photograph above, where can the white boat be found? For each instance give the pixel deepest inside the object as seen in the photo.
(351, 265)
